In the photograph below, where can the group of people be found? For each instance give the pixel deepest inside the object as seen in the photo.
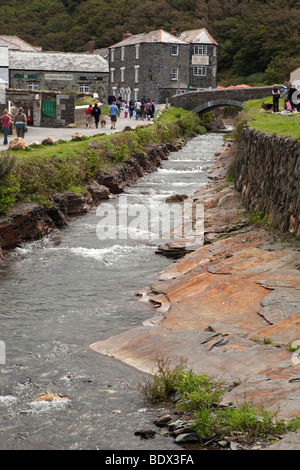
(290, 95)
(143, 109)
(95, 112)
(19, 121)
(140, 109)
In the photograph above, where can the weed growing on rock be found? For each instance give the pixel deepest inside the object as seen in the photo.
(199, 397)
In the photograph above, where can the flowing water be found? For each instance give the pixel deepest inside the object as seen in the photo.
(63, 293)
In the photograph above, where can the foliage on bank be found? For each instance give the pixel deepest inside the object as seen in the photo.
(201, 395)
(38, 173)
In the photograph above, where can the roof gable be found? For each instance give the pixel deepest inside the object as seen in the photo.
(14, 42)
(159, 36)
(198, 36)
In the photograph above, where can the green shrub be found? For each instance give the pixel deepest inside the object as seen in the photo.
(166, 381)
(8, 197)
(198, 391)
(201, 394)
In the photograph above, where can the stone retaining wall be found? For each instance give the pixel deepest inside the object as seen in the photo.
(267, 173)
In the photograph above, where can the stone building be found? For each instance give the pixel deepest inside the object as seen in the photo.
(159, 64)
(295, 77)
(27, 67)
(60, 71)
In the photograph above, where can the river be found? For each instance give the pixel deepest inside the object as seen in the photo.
(63, 293)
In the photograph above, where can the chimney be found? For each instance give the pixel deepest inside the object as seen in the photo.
(91, 47)
(126, 35)
(174, 32)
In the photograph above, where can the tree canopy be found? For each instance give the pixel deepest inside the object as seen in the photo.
(254, 36)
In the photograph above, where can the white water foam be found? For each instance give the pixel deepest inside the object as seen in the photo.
(108, 256)
(198, 169)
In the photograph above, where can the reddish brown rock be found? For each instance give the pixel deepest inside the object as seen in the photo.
(17, 143)
(73, 204)
(26, 222)
(48, 141)
(99, 192)
(216, 306)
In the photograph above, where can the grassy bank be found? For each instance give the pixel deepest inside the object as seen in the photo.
(287, 125)
(38, 173)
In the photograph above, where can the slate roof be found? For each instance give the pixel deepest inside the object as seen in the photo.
(4, 56)
(57, 61)
(14, 42)
(198, 36)
(154, 36)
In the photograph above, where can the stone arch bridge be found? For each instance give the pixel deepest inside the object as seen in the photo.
(202, 101)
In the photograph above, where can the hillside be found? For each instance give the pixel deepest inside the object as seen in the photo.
(259, 40)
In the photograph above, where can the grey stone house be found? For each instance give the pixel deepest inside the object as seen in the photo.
(28, 68)
(159, 64)
(60, 71)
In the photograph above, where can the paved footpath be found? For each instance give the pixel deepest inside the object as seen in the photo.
(39, 133)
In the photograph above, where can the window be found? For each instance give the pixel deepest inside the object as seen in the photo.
(84, 88)
(137, 51)
(199, 71)
(174, 50)
(32, 86)
(122, 74)
(136, 73)
(122, 53)
(200, 50)
(174, 74)
(112, 55)
(112, 75)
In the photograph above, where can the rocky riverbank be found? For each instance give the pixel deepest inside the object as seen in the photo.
(32, 221)
(231, 307)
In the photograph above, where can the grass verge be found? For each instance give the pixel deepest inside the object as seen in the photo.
(285, 125)
(38, 173)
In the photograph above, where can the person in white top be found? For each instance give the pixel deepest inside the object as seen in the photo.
(137, 109)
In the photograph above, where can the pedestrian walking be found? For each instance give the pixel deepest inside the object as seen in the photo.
(119, 103)
(131, 108)
(126, 109)
(113, 113)
(88, 113)
(5, 123)
(276, 96)
(153, 110)
(149, 109)
(96, 113)
(138, 105)
(143, 110)
(20, 123)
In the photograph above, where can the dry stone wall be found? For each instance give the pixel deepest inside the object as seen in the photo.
(267, 173)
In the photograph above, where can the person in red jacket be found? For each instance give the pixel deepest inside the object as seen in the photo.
(5, 122)
(88, 113)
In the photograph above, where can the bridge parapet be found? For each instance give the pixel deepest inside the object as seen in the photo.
(200, 101)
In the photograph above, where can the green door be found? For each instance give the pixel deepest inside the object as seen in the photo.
(49, 109)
